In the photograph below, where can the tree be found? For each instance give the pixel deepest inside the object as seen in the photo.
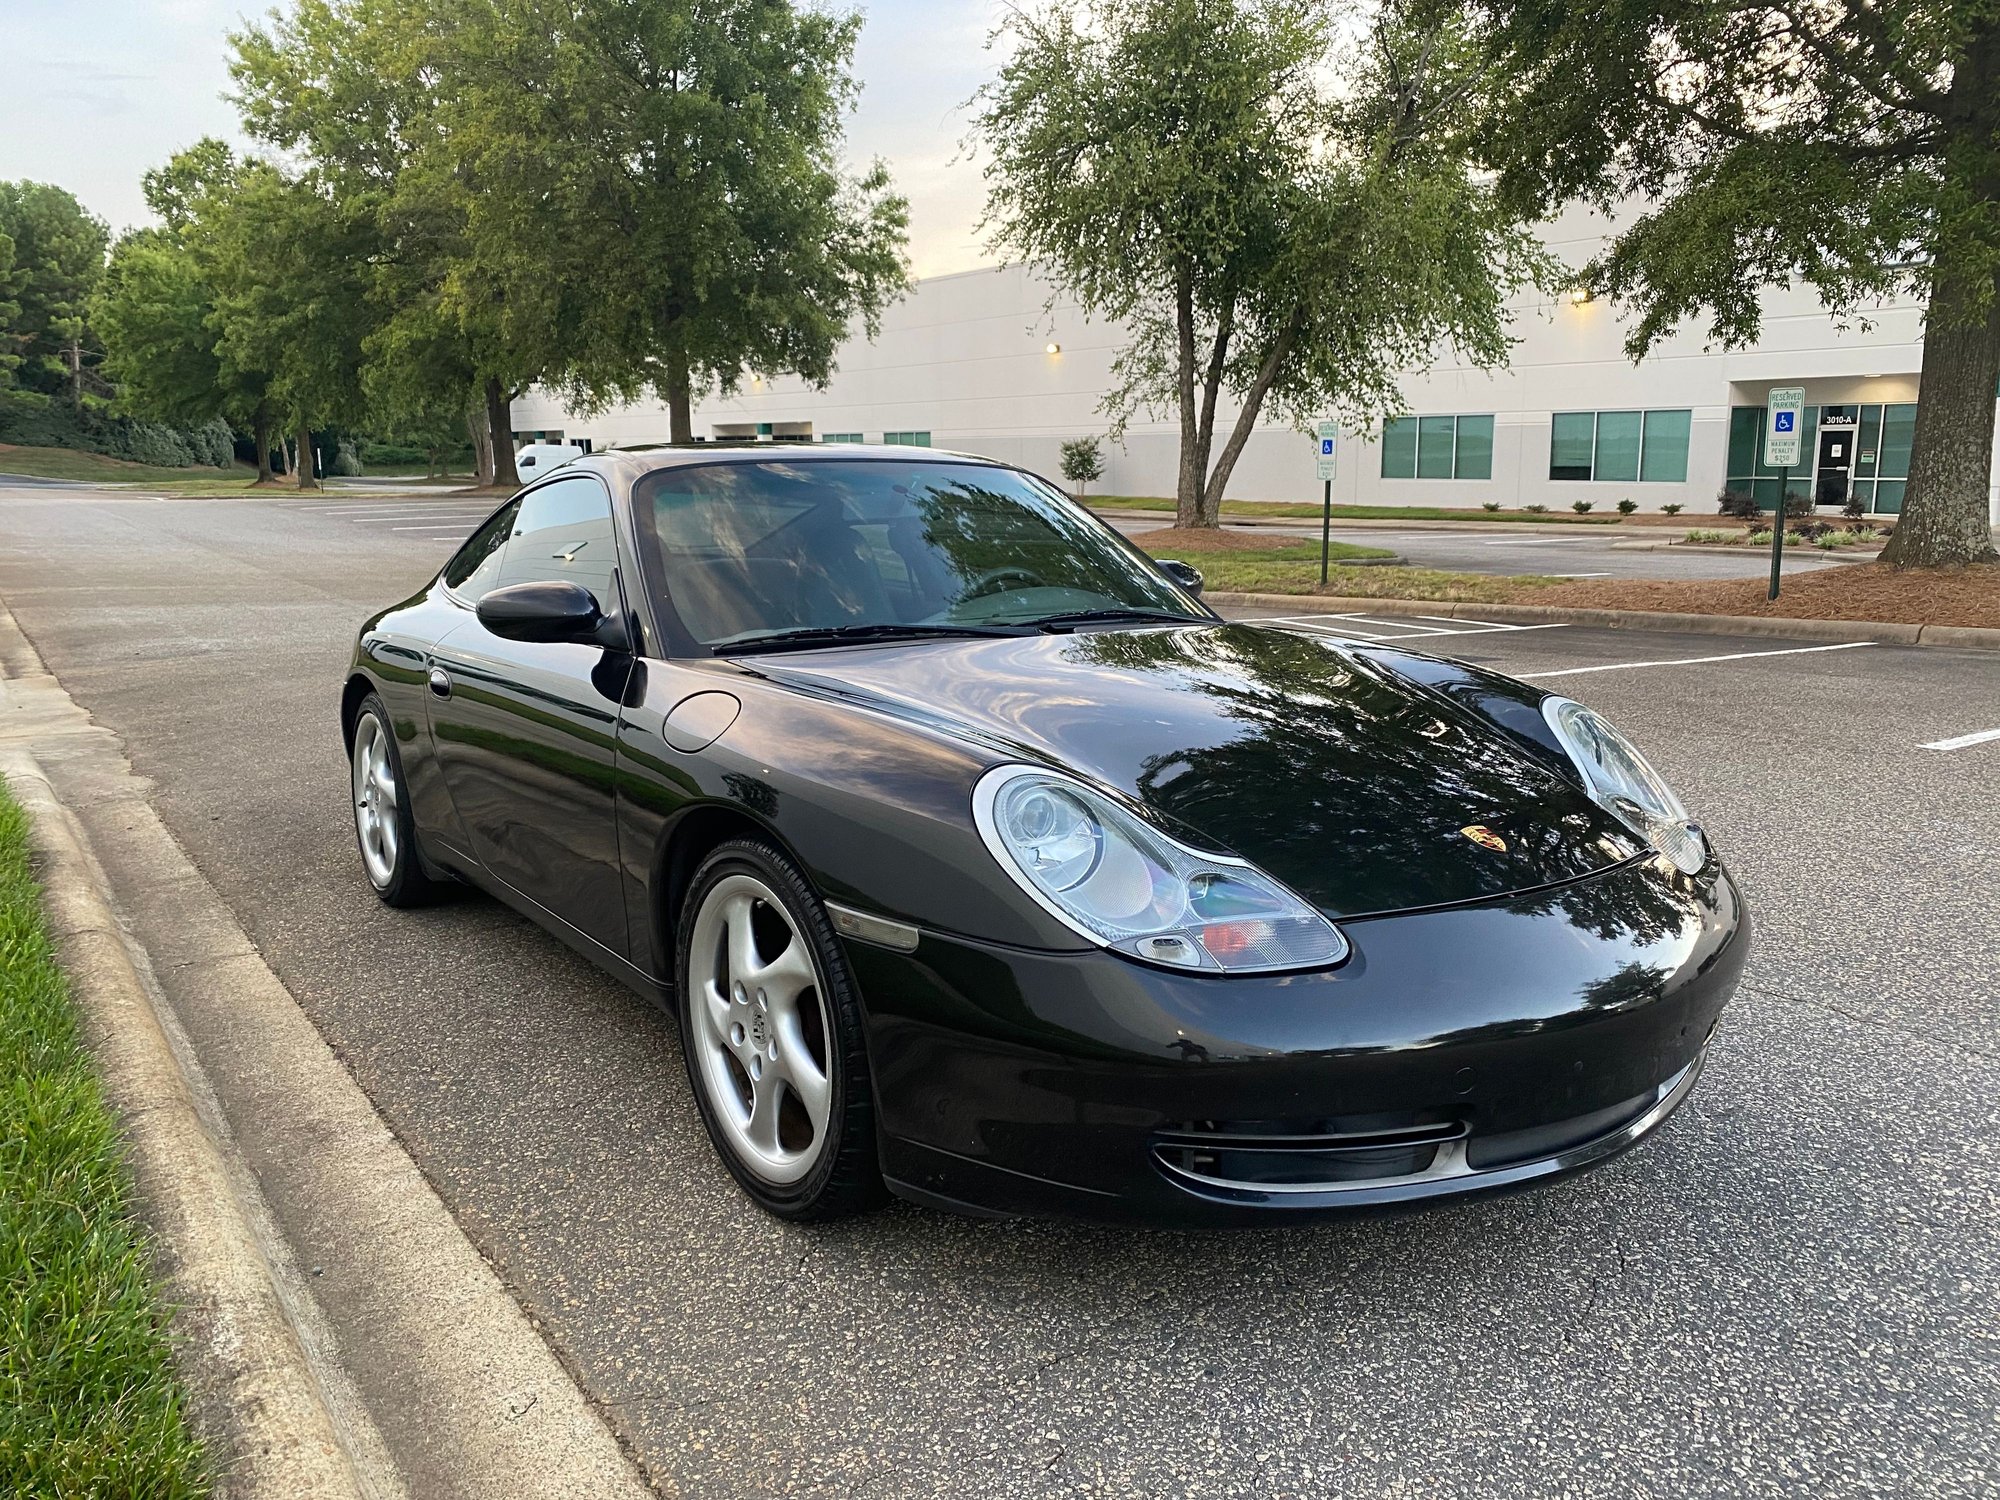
(1178, 165)
(289, 261)
(659, 184)
(1082, 462)
(1854, 147)
(58, 258)
(156, 310)
(10, 309)
(359, 87)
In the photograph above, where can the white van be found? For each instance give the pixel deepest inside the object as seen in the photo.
(537, 459)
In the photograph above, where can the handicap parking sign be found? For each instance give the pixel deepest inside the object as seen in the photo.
(1326, 447)
(1785, 421)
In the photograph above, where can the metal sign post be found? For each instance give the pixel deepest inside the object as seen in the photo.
(1328, 436)
(1781, 451)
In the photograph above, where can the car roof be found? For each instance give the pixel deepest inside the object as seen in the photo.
(630, 464)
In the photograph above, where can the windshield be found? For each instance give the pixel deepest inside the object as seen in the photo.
(758, 551)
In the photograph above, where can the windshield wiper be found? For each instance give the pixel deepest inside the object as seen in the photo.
(842, 635)
(1106, 616)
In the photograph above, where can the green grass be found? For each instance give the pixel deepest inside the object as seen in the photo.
(1294, 569)
(88, 1400)
(1293, 510)
(70, 463)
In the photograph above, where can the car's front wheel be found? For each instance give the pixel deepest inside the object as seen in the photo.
(383, 825)
(771, 1027)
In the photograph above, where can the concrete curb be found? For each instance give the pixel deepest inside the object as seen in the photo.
(279, 1438)
(1531, 528)
(1762, 626)
(339, 1332)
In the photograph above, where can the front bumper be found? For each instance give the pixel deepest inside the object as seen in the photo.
(1467, 1050)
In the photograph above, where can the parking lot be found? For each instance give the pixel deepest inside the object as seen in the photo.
(1548, 550)
(1794, 1288)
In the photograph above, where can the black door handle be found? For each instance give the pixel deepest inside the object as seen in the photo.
(440, 682)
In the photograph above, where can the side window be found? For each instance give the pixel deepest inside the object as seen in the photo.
(563, 531)
(476, 569)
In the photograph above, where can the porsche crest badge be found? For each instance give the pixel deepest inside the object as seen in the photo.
(1484, 837)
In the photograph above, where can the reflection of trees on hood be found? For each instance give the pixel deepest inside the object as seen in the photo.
(1643, 909)
(1349, 782)
(1632, 983)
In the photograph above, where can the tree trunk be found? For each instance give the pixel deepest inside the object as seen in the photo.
(482, 445)
(308, 470)
(1946, 517)
(260, 427)
(500, 423)
(1187, 489)
(1246, 419)
(285, 454)
(680, 397)
(76, 373)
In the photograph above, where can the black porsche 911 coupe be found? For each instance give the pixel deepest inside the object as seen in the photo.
(979, 860)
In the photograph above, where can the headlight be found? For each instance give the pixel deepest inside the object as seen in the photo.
(1620, 780)
(1127, 886)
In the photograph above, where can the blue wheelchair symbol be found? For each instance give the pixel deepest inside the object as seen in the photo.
(1326, 447)
(1785, 421)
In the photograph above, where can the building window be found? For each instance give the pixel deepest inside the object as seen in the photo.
(1645, 447)
(842, 437)
(1882, 435)
(907, 439)
(1438, 448)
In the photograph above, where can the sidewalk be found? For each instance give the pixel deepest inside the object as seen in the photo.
(341, 1335)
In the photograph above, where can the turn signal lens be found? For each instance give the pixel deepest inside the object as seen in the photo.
(1107, 874)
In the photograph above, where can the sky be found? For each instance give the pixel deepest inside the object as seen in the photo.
(98, 91)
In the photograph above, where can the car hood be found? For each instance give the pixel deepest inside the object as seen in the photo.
(1309, 756)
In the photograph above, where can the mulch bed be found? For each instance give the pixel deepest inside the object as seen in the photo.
(1863, 591)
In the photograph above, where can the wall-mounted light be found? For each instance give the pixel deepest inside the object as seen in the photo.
(1052, 348)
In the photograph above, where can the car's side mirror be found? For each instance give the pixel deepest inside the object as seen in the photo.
(557, 611)
(1188, 577)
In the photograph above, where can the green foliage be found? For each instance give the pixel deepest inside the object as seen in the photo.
(1852, 148)
(1627, 506)
(88, 1400)
(1082, 461)
(1489, 505)
(1672, 508)
(1582, 507)
(346, 461)
(38, 421)
(57, 256)
(1273, 211)
(1535, 510)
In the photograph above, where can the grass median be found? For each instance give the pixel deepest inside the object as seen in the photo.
(89, 1404)
(1273, 510)
(1236, 563)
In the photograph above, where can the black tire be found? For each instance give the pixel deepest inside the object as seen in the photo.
(403, 880)
(846, 1176)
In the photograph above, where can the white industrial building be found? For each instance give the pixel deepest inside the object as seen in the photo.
(984, 362)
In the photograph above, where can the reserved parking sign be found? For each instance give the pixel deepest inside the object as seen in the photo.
(1781, 425)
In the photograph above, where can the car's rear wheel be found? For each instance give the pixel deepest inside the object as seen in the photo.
(772, 1031)
(382, 822)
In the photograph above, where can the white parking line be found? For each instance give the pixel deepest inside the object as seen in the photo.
(1581, 575)
(457, 526)
(1545, 541)
(1963, 740)
(1693, 661)
(1402, 627)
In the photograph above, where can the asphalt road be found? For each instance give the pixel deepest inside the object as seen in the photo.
(1793, 1288)
(1568, 554)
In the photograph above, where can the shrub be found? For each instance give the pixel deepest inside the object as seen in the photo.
(149, 443)
(1712, 536)
(1489, 505)
(1672, 507)
(1582, 507)
(35, 420)
(1626, 507)
(1536, 510)
(1854, 510)
(1740, 504)
(1760, 538)
(213, 444)
(346, 463)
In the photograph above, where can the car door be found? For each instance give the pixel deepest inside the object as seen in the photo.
(525, 731)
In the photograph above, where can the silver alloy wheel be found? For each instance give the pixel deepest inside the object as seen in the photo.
(375, 800)
(761, 1029)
